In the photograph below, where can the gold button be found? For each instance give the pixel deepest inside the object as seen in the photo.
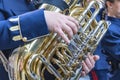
(16, 38)
(13, 19)
(14, 28)
(24, 39)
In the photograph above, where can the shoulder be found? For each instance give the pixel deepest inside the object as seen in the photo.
(114, 28)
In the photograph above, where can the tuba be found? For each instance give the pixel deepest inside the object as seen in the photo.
(50, 54)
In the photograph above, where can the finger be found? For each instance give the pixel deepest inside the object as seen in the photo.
(91, 59)
(72, 26)
(96, 57)
(64, 36)
(74, 20)
(85, 68)
(68, 30)
(83, 73)
(88, 63)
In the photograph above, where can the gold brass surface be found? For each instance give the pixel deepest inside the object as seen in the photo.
(52, 54)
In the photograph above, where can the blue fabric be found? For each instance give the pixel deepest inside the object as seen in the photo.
(111, 41)
(3, 73)
(115, 75)
(32, 24)
(13, 9)
(110, 46)
(102, 74)
(101, 63)
(36, 22)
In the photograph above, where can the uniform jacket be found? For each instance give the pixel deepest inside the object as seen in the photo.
(109, 49)
(17, 26)
(111, 41)
(111, 46)
(20, 22)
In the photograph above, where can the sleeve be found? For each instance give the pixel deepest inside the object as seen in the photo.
(23, 28)
(111, 44)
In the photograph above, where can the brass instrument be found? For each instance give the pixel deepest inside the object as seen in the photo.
(51, 54)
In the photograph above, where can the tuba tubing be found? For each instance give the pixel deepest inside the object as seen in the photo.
(51, 54)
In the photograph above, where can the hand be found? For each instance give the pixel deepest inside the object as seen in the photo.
(89, 63)
(61, 24)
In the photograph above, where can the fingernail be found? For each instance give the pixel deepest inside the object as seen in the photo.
(68, 42)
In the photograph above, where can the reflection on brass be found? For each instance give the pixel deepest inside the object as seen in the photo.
(51, 54)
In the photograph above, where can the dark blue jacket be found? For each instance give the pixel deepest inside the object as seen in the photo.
(109, 49)
(111, 46)
(17, 24)
(20, 22)
(111, 41)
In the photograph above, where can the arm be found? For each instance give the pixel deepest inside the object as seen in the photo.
(23, 28)
(14, 29)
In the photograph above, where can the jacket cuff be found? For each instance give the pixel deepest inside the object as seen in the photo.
(32, 25)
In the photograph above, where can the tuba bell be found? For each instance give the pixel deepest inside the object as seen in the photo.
(52, 55)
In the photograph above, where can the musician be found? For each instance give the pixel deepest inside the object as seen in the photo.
(109, 49)
(20, 22)
(111, 41)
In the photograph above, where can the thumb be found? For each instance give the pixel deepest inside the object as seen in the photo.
(96, 57)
